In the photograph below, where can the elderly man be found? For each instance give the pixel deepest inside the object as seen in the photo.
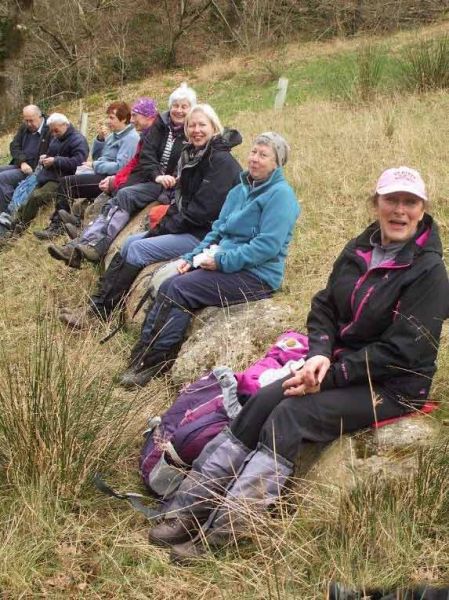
(30, 141)
(67, 150)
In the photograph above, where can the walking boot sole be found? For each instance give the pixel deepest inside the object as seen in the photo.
(74, 261)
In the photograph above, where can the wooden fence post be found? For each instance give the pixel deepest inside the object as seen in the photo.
(281, 93)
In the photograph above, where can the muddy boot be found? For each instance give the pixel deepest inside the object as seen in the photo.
(152, 364)
(80, 318)
(54, 230)
(202, 488)
(68, 254)
(67, 217)
(72, 231)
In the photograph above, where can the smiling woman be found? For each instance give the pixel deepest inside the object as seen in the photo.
(374, 332)
(399, 210)
(241, 259)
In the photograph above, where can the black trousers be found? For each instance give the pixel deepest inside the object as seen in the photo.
(284, 423)
(72, 187)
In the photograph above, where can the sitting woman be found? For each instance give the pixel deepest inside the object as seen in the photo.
(374, 333)
(113, 147)
(148, 175)
(240, 260)
(206, 172)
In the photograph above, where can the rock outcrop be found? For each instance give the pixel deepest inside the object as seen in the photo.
(233, 336)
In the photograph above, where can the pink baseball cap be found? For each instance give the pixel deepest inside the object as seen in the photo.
(401, 179)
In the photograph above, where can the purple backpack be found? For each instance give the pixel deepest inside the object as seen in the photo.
(204, 408)
(174, 440)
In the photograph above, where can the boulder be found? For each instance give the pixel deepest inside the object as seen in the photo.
(390, 452)
(234, 336)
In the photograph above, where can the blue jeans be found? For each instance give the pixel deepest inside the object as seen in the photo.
(141, 251)
(10, 177)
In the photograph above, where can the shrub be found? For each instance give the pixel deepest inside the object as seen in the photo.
(425, 66)
(58, 422)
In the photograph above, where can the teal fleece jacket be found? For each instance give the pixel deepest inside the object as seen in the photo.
(254, 229)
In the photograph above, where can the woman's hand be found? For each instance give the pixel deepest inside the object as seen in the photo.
(106, 184)
(315, 369)
(308, 379)
(102, 132)
(184, 267)
(209, 264)
(166, 181)
(296, 386)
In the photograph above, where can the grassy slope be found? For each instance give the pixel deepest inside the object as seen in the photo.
(82, 544)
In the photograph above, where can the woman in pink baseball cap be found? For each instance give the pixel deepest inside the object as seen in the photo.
(374, 332)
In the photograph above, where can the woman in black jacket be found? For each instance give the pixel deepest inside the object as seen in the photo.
(150, 174)
(206, 173)
(374, 333)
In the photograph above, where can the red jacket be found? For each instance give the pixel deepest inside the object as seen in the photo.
(122, 175)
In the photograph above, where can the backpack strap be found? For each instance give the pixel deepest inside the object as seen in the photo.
(131, 497)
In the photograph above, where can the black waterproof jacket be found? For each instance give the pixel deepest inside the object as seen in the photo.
(69, 151)
(386, 319)
(17, 143)
(203, 188)
(154, 145)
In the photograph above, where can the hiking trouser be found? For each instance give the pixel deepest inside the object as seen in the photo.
(284, 423)
(167, 321)
(40, 196)
(135, 197)
(141, 251)
(116, 213)
(72, 187)
(10, 177)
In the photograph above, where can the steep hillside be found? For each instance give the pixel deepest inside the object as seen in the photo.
(62, 417)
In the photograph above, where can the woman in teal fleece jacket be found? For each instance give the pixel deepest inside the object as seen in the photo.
(241, 259)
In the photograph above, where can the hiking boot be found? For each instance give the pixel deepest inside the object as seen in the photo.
(141, 372)
(89, 253)
(71, 230)
(76, 318)
(68, 254)
(173, 531)
(54, 230)
(188, 552)
(67, 217)
(5, 232)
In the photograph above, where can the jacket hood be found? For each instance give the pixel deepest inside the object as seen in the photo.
(227, 140)
(426, 239)
(165, 117)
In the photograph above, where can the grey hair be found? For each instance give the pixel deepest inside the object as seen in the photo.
(210, 113)
(183, 92)
(57, 119)
(34, 108)
(279, 145)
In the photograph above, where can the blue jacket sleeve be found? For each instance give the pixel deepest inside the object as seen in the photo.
(97, 148)
(272, 235)
(125, 153)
